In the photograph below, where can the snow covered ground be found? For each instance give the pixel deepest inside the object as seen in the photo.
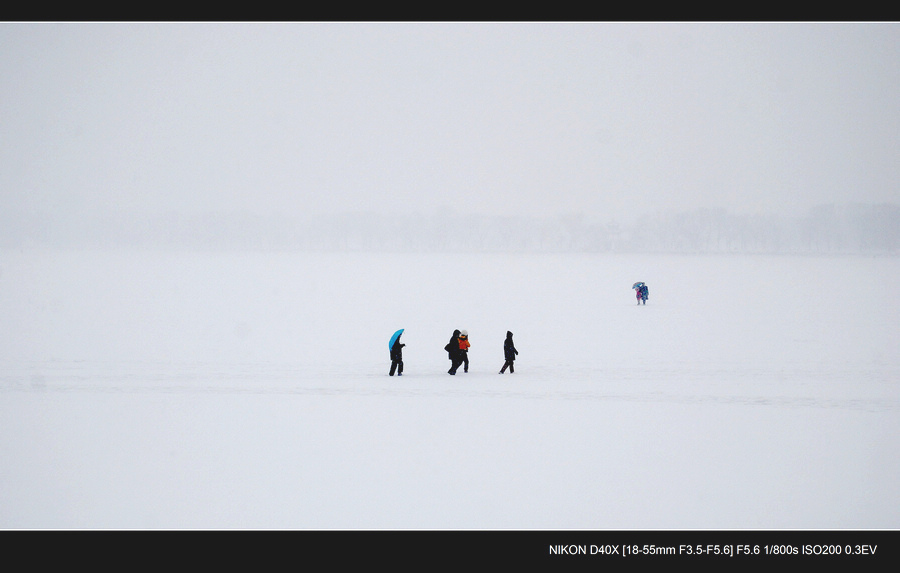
(215, 390)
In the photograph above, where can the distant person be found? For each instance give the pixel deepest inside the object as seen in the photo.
(397, 357)
(452, 349)
(645, 293)
(637, 291)
(464, 350)
(509, 353)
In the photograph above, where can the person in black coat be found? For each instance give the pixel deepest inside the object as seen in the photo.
(397, 357)
(452, 349)
(509, 353)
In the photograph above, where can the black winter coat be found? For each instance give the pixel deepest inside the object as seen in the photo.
(509, 349)
(397, 351)
(452, 347)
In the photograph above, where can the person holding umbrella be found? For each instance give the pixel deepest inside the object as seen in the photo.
(396, 353)
(640, 292)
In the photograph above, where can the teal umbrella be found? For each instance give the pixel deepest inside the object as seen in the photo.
(394, 339)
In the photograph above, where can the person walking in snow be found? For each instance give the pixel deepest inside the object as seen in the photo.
(452, 349)
(397, 357)
(464, 350)
(509, 353)
(641, 292)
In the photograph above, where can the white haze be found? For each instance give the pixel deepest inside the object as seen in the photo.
(607, 120)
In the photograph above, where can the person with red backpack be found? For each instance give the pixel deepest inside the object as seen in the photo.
(464, 350)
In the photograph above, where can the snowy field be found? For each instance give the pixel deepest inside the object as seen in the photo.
(166, 390)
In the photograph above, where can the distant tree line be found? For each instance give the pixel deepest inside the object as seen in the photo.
(825, 229)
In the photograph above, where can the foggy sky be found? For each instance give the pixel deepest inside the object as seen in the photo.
(605, 119)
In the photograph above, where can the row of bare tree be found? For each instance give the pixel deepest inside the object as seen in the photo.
(826, 229)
